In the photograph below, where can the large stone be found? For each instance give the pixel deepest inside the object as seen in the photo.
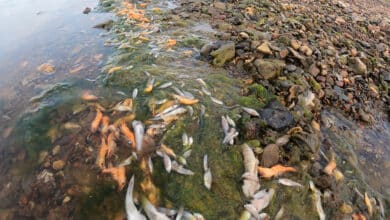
(277, 116)
(264, 48)
(357, 66)
(225, 53)
(270, 155)
(269, 68)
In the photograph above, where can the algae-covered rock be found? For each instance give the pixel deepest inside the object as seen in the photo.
(357, 66)
(269, 68)
(225, 53)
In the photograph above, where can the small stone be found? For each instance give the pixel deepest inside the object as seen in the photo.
(264, 48)
(357, 66)
(270, 155)
(296, 54)
(354, 52)
(295, 44)
(291, 68)
(313, 70)
(220, 5)
(339, 20)
(42, 156)
(269, 68)
(86, 10)
(306, 50)
(66, 200)
(56, 150)
(244, 35)
(283, 53)
(346, 209)
(58, 165)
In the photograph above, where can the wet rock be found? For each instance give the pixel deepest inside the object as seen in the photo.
(306, 50)
(314, 70)
(56, 150)
(269, 68)
(277, 116)
(295, 44)
(270, 155)
(86, 10)
(225, 53)
(324, 182)
(244, 35)
(206, 50)
(307, 141)
(386, 76)
(291, 68)
(220, 5)
(250, 130)
(357, 66)
(107, 25)
(366, 117)
(264, 48)
(58, 164)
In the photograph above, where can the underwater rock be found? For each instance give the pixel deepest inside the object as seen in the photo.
(270, 155)
(269, 68)
(225, 53)
(277, 116)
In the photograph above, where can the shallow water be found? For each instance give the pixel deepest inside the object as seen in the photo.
(57, 116)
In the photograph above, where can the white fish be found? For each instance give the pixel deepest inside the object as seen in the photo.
(178, 91)
(139, 131)
(225, 125)
(252, 210)
(201, 81)
(150, 164)
(184, 138)
(161, 101)
(317, 197)
(131, 210)
(279, 214)
(261, 203)
(190, 110)
(121, 93)
(167, 110)
(249, 187)
(205, 165)
(250, 111)
(188, 95)
(229, 137)
(190, 141)
(251, 182)
(152, 212)
(180, 213)
(181, 160)
(250, 176)
(250, 161)
(207, 175)
(135, 93)
(178, 111)
(180, 169)
(288, 182)
(216, 101)
(198, 216)
(187, 154)
(206, 91)
(230, 121)
(167, 163)
(127, 161)
(165, 85)
(168, 212)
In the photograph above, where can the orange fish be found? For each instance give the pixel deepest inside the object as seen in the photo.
(164, 106)
(124, 119)
(118, 174)
(185, 101)
(86, 96)
(105, 123)
(330, 167)
(100, 159)
(96, 121)
(128, 134)
(358, 216)
(276, 170)
(170, 43)
(111, 145)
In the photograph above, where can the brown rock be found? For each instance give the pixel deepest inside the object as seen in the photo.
(269, 68)
(306, 50)
(339, 20)
(313, 70)
(58, 165)
(295, 44)
(264, 48)
(283, 53)
(357, 66)
(219, 5)
(270, 155)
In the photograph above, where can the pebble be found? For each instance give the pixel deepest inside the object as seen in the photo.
(291, 67)
(58, 164)
(314, 70)
(56, 149)
(42, 156)
(264, 48)
(346, 209)
(295, 44)
(270, 155)
(66, 200)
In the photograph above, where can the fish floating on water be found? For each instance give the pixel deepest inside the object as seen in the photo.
(135, 93)
(184, 100)
(288, 182)
(207, 173)
(131, 210)
(260, 201)
(139, 130)
(152, 212)
(317, 198)
(95, 123)
(149, 85)
(274, 171)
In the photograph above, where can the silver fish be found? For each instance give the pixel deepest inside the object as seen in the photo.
(252, 210)
(139, 130)
(250, 111)
(135, 93)
(167, 110)
(230, 121)
(167, 163)
(206, 91)
(165, 85)
(229, 137)
(178, 91)
(279, 214)
(216, 101)
(150, 164)
(262, 202)
(207, 175)
(180, 169)
(250, 176)
(177, 111)
(161, 101)
(281, 141)
(201, 81)
(288, 182)
(225, 125)
(198, 216)
(205, 165)
(251, 182)
(152, 212)
(250, 161)
(131, 210)
(187, 154)
(168, 212)
(184, 138)
(190, 141)
(121, 93)
(190, 110)
(317, 196)
(188, 95)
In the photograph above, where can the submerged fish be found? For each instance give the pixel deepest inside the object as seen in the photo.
(118, 174)
(100, 159)
(167, 150)
(261, 202)
(152, 212)
(135, 93)
(216, 101)
(95, 123)
(250, 111)
(206, 91)
(251, 182)
(139, 130)
(149, 85)
(317, 198)
(207, 175)
(180, 169)
(165, 85)
(124, 106)
(167, 163)
(131, 210)
(229, 137)
(111, 145)
(367, 201)
(87, 96)
(225, 125)
(276, 170)
(230, 121)
(150, 164)
(127, 133)
(288, 182)
(201, 81)
(184, 100)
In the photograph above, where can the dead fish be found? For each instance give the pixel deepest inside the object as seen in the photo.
(230, 121)
(250, 176)
(150, 164)
(251, 182)
(167, 163)
(165, 106)
(180, 213)
(279, 214)
(178, 91)
(135, 93)
(105, 124)
(260, 203)
(187, 154)
(175, 112)
(198, 216)
(207, 175)
(184, 138)
(127, 161)
(181, 160)
(167, 110)
(111, 144)
(124, 106)
(118, 174)
(184, 100)
(95, 123)
(164, 148)
(152, 212)
(165, 85)
(367, 201)
(128, 134)
(216, 101)
(161, 101)
(190, 110)
(139, 130)
(245, 215)
(330, 167)
(121, 93)
(149, 85)
(166, 211)
(250, 161)
(206, 91)
(317, 198)
(131, 210)
(87, 96)
(225, 125)
(281, 141)
(229, 137)
(251, 111)
(288, 182)
(201, 81)
(276, 170)
(180, 169)
(101, 157)
(71, 126)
